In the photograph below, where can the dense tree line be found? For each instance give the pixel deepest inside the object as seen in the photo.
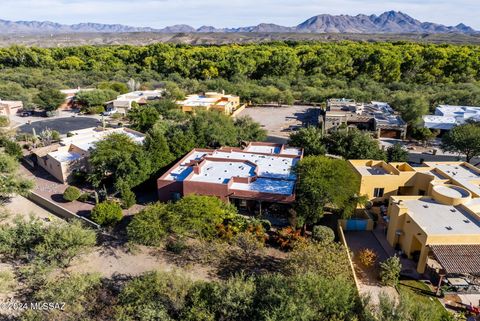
(383, 62)
(412, 77)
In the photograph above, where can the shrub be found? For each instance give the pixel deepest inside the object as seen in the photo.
(267, 225)
(69, 134)
(152, 225)
(128, 198)
(107, 213)
(390, 271)
(176, 245)
(12, 148)
(7, 281)
(4, 122)
(84, 197)
(71, 194)
(55, 135)
(116, 116)
(287, 238)
(328, 260)
(367, 257)
(249, 244)
(323, 234)
(94, 110)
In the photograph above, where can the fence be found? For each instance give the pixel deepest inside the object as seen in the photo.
(58, 210)
(344, 242)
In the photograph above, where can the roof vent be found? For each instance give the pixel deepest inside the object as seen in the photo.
(425, 206)
(453, 210)
(449, 228)
(466, 221)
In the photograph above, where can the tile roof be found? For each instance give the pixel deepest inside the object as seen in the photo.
(458, 259)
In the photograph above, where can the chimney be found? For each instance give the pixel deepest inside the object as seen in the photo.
(223, 92)
(196, 169)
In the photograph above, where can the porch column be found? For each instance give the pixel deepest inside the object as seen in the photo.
(422, 261)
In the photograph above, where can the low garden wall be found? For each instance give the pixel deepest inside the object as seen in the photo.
(59, 210)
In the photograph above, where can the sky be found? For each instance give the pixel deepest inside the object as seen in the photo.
(230, 13)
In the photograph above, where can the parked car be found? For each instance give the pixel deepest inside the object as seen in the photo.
(25, 113)
(109, 112)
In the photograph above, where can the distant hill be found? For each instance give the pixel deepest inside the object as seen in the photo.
(388, 22)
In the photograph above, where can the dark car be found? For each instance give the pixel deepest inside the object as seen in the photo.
(26, 113)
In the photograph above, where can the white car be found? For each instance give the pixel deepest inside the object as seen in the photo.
(110, 112)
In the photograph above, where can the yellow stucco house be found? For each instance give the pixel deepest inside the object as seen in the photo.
(226, 104)
(433, 210)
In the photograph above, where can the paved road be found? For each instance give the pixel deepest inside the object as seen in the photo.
(62, 125)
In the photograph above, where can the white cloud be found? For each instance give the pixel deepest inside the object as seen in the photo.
(221, 13)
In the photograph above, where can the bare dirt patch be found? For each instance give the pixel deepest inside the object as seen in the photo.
(119, 260)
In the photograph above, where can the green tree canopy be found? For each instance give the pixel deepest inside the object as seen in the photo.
(353, 144)
(464, 140)
(310, 139)
(248, 130)
(116, 86)
(118, 157)
(214, 129)
(200, 215)
(143, 118)
(49, 99)
(97, 97)
(396, 153)
(323, 181)
(11, 182)
(107, 213)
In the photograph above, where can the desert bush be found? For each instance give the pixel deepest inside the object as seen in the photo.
(7, 281)
(107, 213)
(288, 237)
(328, 260)
(94, 110)
(71, 194)
(321, 233)
(84, 197)
(390, 271)
(367, 257)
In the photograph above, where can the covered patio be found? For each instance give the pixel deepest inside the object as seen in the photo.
(458, 267)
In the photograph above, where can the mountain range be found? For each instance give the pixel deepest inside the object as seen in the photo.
(388, 22)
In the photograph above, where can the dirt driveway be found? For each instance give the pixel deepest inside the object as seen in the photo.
(281, 121)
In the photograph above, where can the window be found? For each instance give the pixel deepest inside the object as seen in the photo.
(378, 192)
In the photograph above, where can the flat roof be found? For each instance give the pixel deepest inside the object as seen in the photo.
(272, 166)
(269, 173)
(371, 170)
(180, 172)
(65, 156)
(273, 149)
(439, 219)
(465, 176)
(439, 119)
(86, 138)
(222, 172)
(267, 186)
